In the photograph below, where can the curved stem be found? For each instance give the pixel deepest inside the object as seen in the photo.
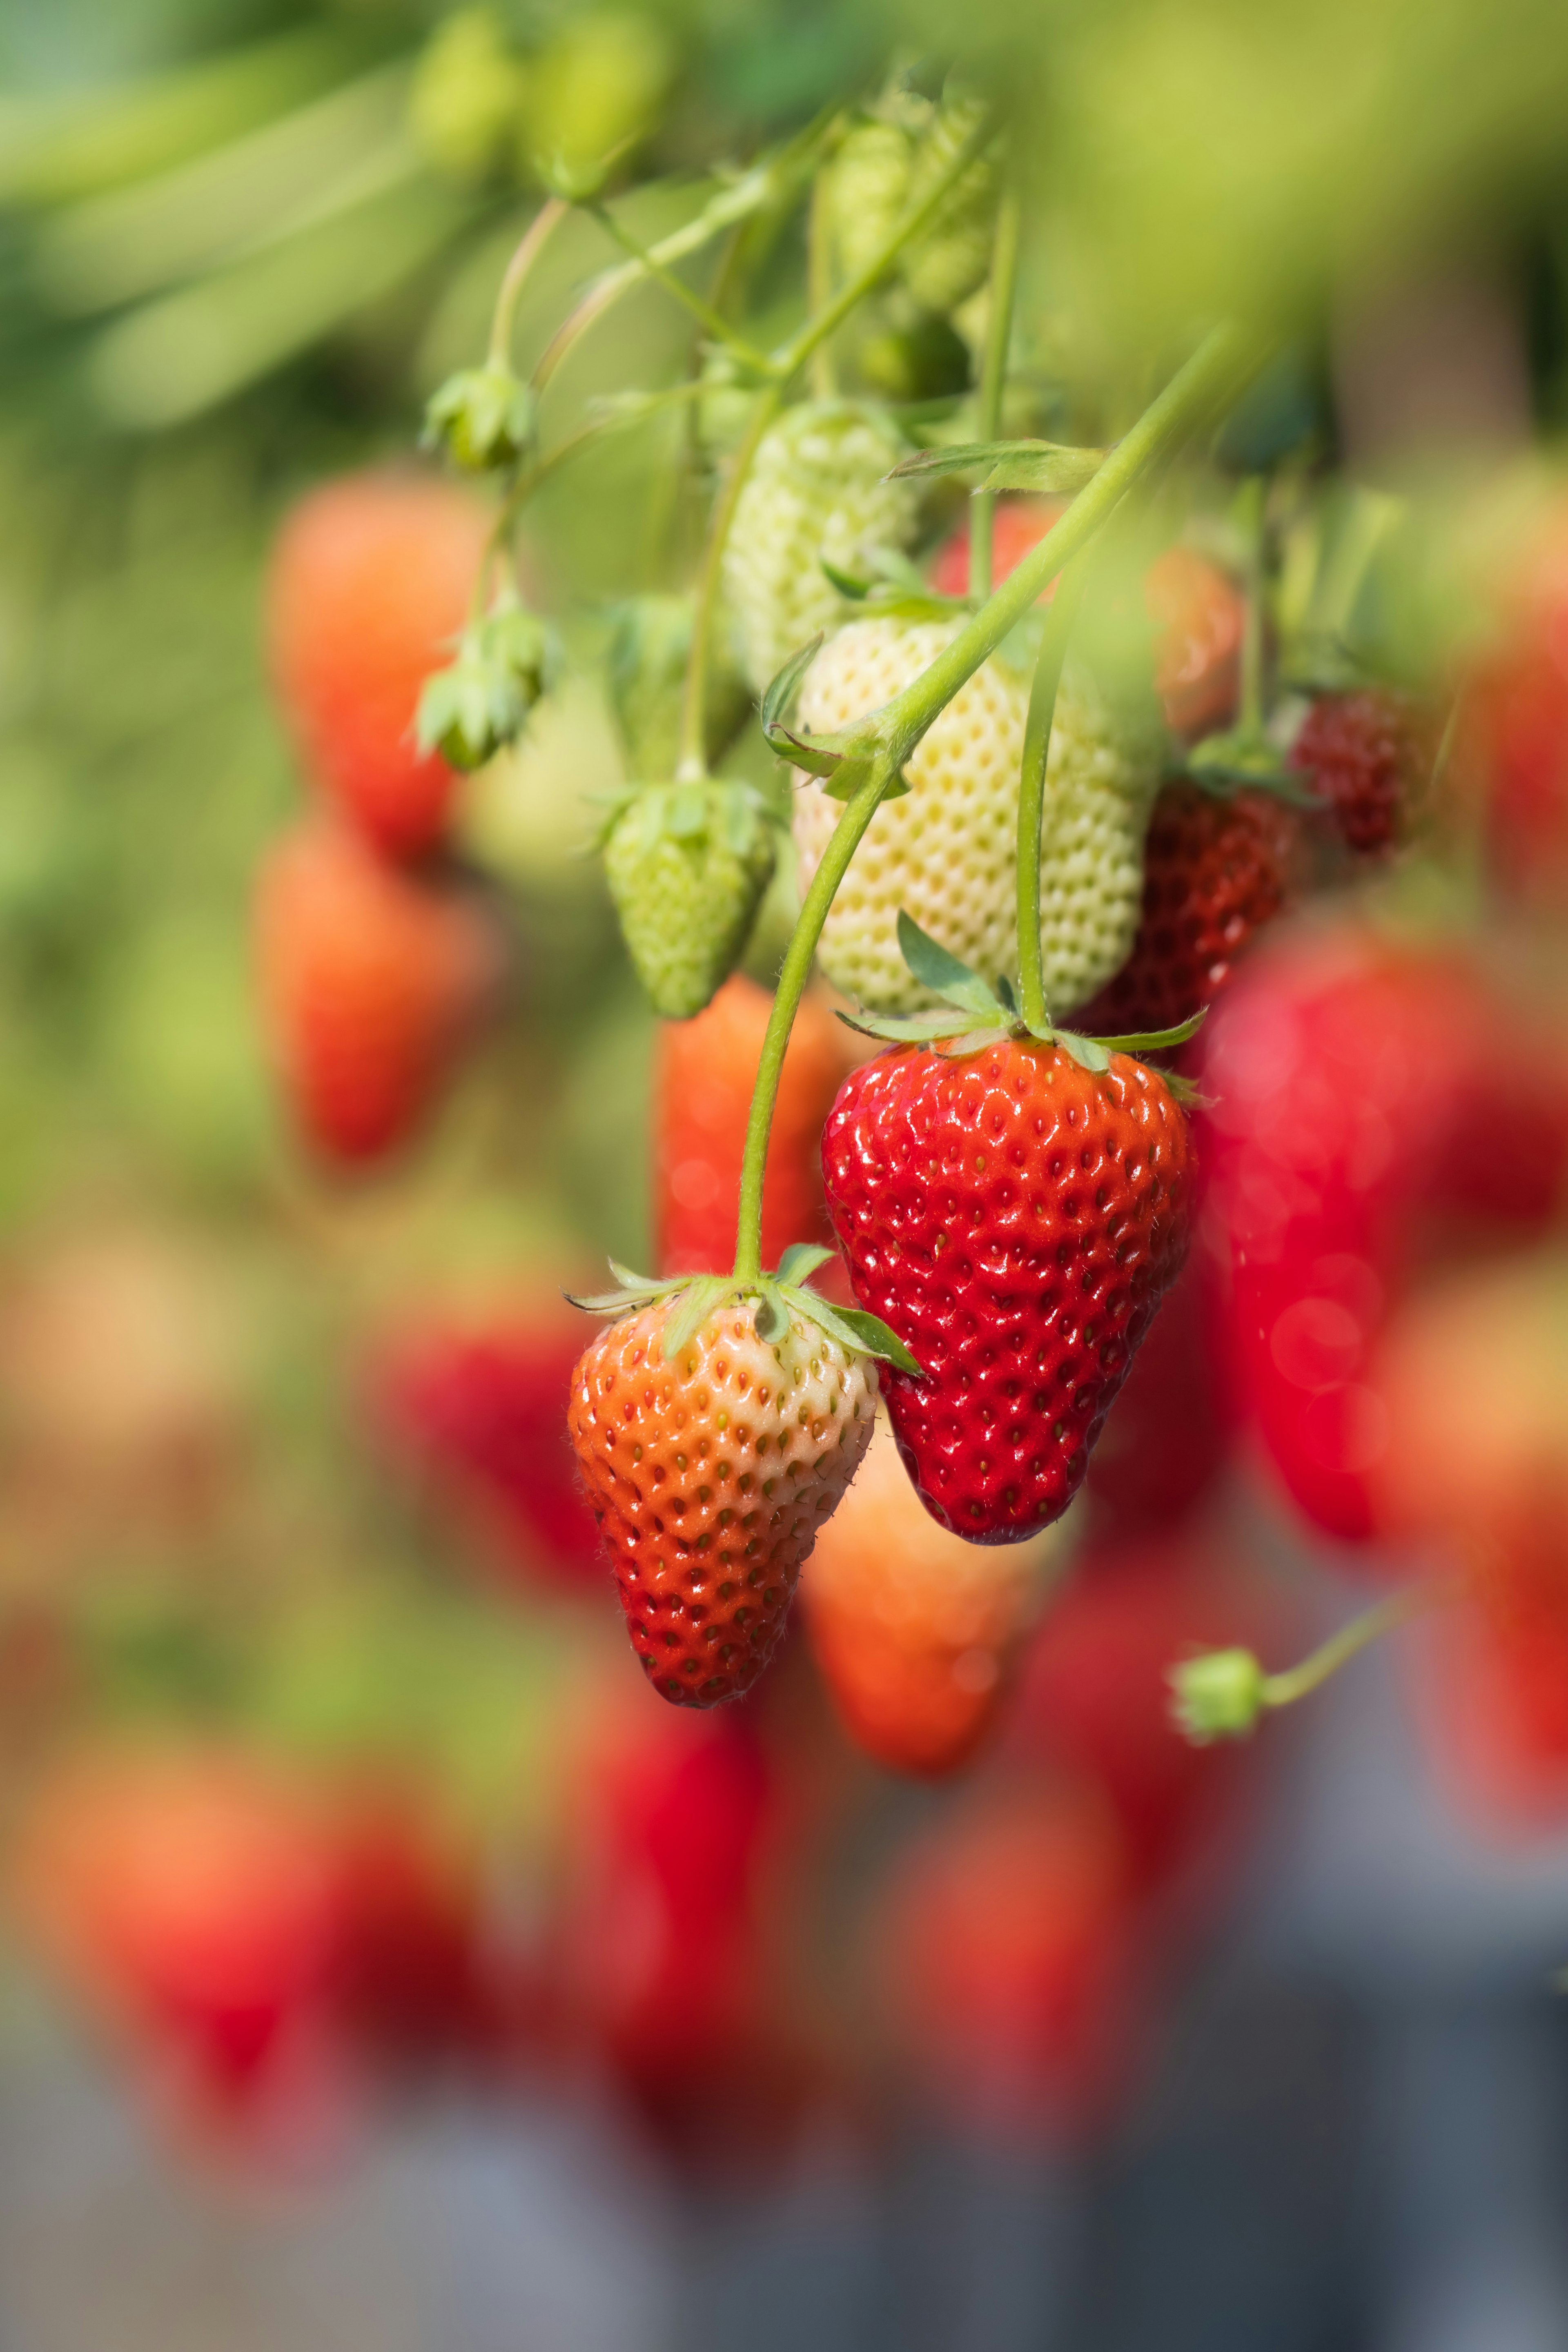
(1298, 1682)
(1032, 790)
(534, 239)
(711, 322)
(858, 811)
(994, 380)
(693, 756)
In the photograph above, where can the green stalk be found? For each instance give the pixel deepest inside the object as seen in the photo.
(716, 326)
(693, 759)
(858, 811)
(1298, 1682)
(1032, 789)
(531, 245)
(1218, 369)
(994, 380)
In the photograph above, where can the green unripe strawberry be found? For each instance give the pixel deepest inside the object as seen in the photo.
(816, 494)
(950, 260)
(647, 671)
(688, 865)
(868, 191)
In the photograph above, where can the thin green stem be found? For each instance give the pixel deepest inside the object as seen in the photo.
(693, 759)
(711, 322)
(1032, 789)
(1298, 1682)
(531, 244)
(993, 379)
(858, 811)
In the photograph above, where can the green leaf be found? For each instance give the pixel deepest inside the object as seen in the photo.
(848, 585)
(1086, 1052)
(1151, 1041)
(817, 759)
(781, 687)
(943, 973)
(772, 1318)
(1241, 759)
(630, 1281)
(847, 779)
(693, 1311)
(852, 1327)
(1041, 466)
(801, 1259)
(906, 1028)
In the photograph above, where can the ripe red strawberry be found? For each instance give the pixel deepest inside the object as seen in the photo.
(1368, 756)
(1014, 1218)
(711, 1476)
(371, 982)
(914, 1629)
(1214, 871)
(1002, 1947)
(703, 1076)
(1017, 525)
(371, 582)
(479, 1402)
(1168, 1435)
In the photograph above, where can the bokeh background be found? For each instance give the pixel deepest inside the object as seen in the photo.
(492, 2061)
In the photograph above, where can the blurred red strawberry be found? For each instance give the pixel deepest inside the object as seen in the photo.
(1514, 754)
(915, 1631)
(1170, 1432)
(371, 580)
(371, 983)
(704, 1073)
(1370, 1101)
(1369, 757)
(478, 1403)
(1094, 1700)
(1002, 1950)
(1017, 525)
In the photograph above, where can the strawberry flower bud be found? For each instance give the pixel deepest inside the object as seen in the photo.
(1219, 1696)
(483, 417)
(480, 702)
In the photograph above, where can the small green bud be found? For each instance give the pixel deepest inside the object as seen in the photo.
(1219, 1696)
(482, 701)
(468, 96)
(481, 416)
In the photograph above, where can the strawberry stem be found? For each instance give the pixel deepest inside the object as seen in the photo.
(994, 380)
(1032, 791)
(692, 762)
(534, 239)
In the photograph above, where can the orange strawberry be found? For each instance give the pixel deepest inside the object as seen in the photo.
(371, 981)
(371, 582)
(915, 1630)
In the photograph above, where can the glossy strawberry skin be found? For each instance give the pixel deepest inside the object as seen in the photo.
(1367, 754)
(371, 581)
(372, 980)
(704, 1073)
(1015, 1220)
(1214, 871)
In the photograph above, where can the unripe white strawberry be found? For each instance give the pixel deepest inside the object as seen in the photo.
(815, 493)
(952, 260)
(944, 851)
(868, 191)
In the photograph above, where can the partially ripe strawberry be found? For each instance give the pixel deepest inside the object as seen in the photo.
(1016, 526)
(710, 1477)
(816, 494)
(371, 581)
(371, 983)
(1214, 871)
(1014, 1218)
(1002, 1942)
(1369, 757)
(944, 853)
(704, 1072)
(478, 1402)
(914, 1629)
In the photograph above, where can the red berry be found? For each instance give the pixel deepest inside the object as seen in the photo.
(1015, 1219)
(371, 982)
(1198, 617)
(703, 1076)
(1168, 1436)
(1214, 871)
(371, 582)
(1515, 737)
(1368, 755)
(1017, 526)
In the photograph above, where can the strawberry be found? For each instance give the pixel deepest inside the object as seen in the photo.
(944, 851)
(1168, 1436)
(1002, 1944)
(370, 583)
(1014, 1217)
(1018, 524)
(686, 866)
(1214, 871)
(478, 1402)
(371, 982)
(868, 191)
(1368, 755)
(950, 258)
(914, 1629)
(816, 495)
(704, 1075)
(710, 1471)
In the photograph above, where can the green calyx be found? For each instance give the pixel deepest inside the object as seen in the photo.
(840, 760)
(482, 701)
(687, 863)
(778, 1297)
(483, 417)
(1219, 1696)
(1245, 759)
(974, 1014)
